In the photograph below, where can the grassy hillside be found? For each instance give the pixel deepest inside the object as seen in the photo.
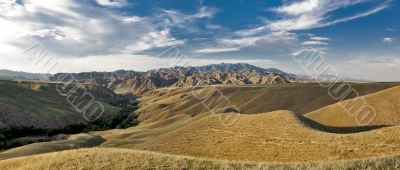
(131, 137)
(273, 129)
(386, 103)
(275, 136)
(72, 142)
(299, 98)
(108, 158)
(39, 105)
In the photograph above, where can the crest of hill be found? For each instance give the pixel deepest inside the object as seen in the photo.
(303, 98)
(385, 105)
(278, 136)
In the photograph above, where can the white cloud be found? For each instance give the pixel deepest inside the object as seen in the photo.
(115, 62)
(81, 41)
(253, 38)
(213, 26)
(68, 28)
(6, 6)
(308, 14)
(43, 33)
(131, 19)
(205, 12)
(320, 38)
(278, 38)
(112, 3)
(388, 40)
(216, 50)
(378, 68)
(378, 8)
(377, 62)
(264, 63)
(173, 18)
(252, 31)
(321, 50)
(154, 39)
(301, 7)
(314, 43)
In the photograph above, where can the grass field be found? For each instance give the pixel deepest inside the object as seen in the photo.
(109, 158)
(285, 129)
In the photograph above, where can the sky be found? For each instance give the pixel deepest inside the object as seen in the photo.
(358, 38)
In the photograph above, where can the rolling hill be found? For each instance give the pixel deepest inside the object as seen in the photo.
(278, 136)
(255, 137)
(72, 142)
(386, 104)
(254, 142)
(39, 105)
(278, 132)
(300, 98)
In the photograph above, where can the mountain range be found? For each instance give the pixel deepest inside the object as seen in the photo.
(129, 81)
(123, 81)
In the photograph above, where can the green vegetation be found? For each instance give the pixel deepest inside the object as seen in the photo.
(36, 97)
(8, 136)
(25, 102)
(124, 119)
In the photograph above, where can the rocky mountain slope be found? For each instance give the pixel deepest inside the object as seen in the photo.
(139, 82)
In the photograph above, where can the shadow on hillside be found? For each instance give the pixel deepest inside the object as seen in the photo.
(356, 129)
(339, 130)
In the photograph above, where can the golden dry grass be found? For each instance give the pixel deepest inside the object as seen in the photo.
(275, 136)
(73, 142)
(123, 159)
(299, 98)
(386, 103)
(131, 137)
(175, 123)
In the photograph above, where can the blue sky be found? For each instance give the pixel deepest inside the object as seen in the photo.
(360, 38)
